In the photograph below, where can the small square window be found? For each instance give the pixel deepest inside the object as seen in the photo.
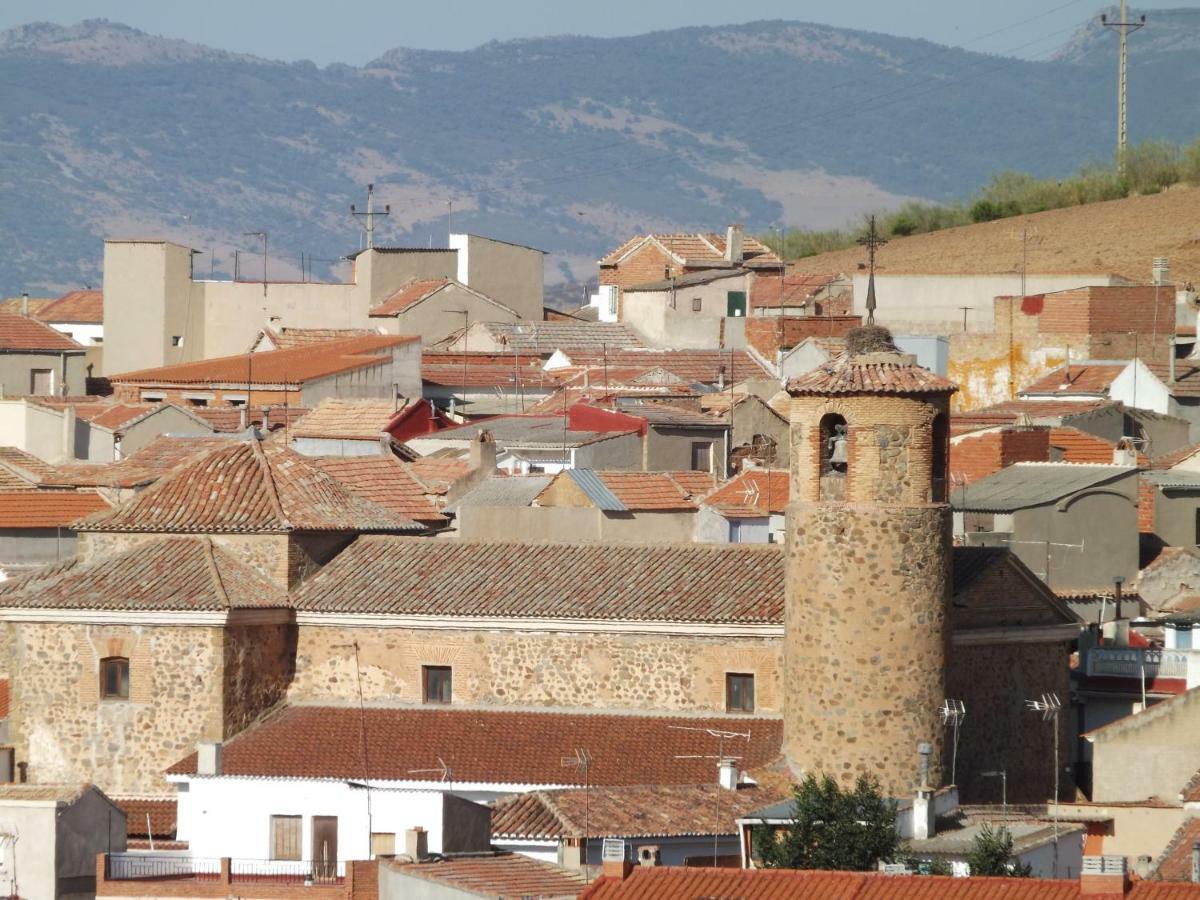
(697, 304)
(437, 683)
(114, 678)
(177, 340)
(739, 692)
(197, 401)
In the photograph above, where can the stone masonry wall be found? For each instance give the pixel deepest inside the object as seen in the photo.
(536, 669)
(259, 661)
(864, 645)
(267, 554)
(61, 727)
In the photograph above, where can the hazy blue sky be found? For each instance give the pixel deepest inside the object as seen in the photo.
(359, 30)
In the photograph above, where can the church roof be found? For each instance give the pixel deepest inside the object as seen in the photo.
(872, 373)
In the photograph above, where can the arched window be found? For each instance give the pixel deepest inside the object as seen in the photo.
(939, 458)
(114, 678)
(834, 457)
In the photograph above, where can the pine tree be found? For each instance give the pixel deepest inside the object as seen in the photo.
(992, 854)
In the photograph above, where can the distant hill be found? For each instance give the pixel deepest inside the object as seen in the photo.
(566, 143)
(1120, 237)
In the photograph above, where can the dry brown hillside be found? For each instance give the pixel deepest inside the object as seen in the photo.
(1119, 236)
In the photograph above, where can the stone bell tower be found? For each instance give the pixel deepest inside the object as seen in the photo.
(868, 565)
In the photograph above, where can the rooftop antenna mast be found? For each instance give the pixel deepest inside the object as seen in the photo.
(582, 761)
(1122, 27)
(872, 241)
(370, 214)
(722, 737)
(953, 712)
(1050, 706)
(443, 772)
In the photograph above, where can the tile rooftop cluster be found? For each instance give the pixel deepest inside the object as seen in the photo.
(407, 295)
(755, 492)
(388, 482)
(358, 420)
(881, 373)
(695, 249)
(23, 333)
(74, 307)
(545, 337)
(692, 366)
(47, 508)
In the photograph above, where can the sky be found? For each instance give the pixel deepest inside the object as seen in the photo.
(360, 30)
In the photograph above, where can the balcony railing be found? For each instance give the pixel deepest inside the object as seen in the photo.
(1134, 662)
(152, 867)
(284, 872)
(166, 867)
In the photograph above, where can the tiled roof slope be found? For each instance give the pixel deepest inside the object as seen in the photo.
(408, 294)
(485, 370)
(546, 337)
(228, 419)
(1080, 447)
(675, 810)
(179, 574)
(876, 373)
(1175, 863)
(1187, 377)
(352, 420)
(1191, 790)
(47, 508)
(22, 333)
(701, 366)
(27, 462)
(755, 492)
(383, 480)
(499, 746)
(501, 875)
(639, 491)
(148, 464)
(75, 306)
(677, 583)
(290, 367)
(290, 338)
(695, 248)
(161, 814)
(248, 486)
(1084, 378)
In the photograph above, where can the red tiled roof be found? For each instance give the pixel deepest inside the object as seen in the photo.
(47, 508)
(675, 583)
(186, 574)
(22, 333)
(247, 486)
(290, 338)
(755, 492)
(1187, 377)
(1080, 447)
(646, 491)
(1175, 863)
(791, 290)
(75, 306)
(5, 698)
(873, 374)
(162, 816)
(1170, 460)
(1191, 790)
(1009, 411)
(228, 419)
(696, 248)
(499, 746)
(353, 420)
(21, 471)
(386, 481)
(407, 295)
(501, 875)
(1085, 378)
(146, 465)
(697, 366)
(438, 474)
(486, 370)
(276, 367)
(673, 810)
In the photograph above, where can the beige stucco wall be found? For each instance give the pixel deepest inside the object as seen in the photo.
(649, 314)
(34, 429)
(16, 372)
(514, 668)
(1152, 754)
(441, 315)
(166, 421)
(509, 273)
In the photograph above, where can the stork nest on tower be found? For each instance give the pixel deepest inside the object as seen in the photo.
(869, 339)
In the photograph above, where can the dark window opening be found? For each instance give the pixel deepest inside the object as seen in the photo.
(834, 456)
(940, 455)
(702, 456)
(197, 401)
(436, 683)
(697, 304)
(114, 678)
(739, 692)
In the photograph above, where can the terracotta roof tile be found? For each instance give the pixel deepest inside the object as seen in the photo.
(546, 337)
(677, 583)
(1191, 790)
(694, 366)
(486, 370)
(645, 491)
(162, 815)
(291, 338)
(355, 420)
(1084, 378)
(75, 306)
(696, 248)
(5, 698)
(1080, 447)
(755, 492)
(22, 333)
(1187, 377)
(178, 573)
(408, 294)
(672, 810)
(42, 793)
(148, 464)
(291, 367)
(501, 875)
(228, 419)
(1170, 460)
(246, 486)
(792, 290)
(386, 481)
(47, 508)
(499, 746)
(13, 305)
(27, 462)
(438, 474)
(1175, 863)
(878, 373)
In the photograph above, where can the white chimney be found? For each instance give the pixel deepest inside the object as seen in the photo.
(649, 855)
(208, 758)
(25, 303)
(728, 774)
(733, 244)
(416, 844)
(1125, 453)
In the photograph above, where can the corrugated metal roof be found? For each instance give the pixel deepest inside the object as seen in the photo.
(1022, 485)
(596, 490)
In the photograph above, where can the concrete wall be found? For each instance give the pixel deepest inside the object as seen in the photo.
(623, 451)
(147, 301)
(32, 428)
(35, 546)
(167, 420)
(649, 313)
(29, 862)
(1176, 517)
(669, 448)
(509, 273)
(440, 315)
(380, 272)
(91, 825)
(753, 417)
(1152, 754)
(68, 368)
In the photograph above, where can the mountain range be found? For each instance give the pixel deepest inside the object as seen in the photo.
(566, 143)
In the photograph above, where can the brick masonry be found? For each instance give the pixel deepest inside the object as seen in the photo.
(769, 334)
(976, 456)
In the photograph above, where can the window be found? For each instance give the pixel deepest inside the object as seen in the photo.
(383, 843)
(285, 837)
(697, 304)
(41, 382)
(941, 453)
(437, 683)
(834, 454)
(702, 456)
(177, 340)
(739, 692)
(735, 304)
(197, 401)
(114, 678)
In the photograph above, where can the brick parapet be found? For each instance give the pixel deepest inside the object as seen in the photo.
(770, 334)
(360, 883)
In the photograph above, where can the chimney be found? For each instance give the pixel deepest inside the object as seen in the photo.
(208, 758)
(570, 854)
(68, 432)
(416, 844)
(922, 808)
(649, 855)
(243, 417)
(615, 860)
(483, 451)
(728, 774)
(1103, 875)
(24, 303)
(1125, 453)
(733, 244)
(1196, 861)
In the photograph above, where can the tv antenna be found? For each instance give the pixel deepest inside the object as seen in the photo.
(1049, 706)
(722, 736)
(953, 712)
(443, 771)
(581, 762)
(370, 214)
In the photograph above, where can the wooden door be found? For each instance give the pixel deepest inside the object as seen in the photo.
(324, 847)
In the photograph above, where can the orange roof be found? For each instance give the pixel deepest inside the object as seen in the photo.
(1080, 447)
(703, 366)
(289, 338)
(645, 491)
(75, 306)
(19, 333)
(501, 875)
(756, 492)
(276, 367)
(438, 473)
(1085, 378)
(695, 249)
(792, 290)
(384, 480)
(407, 295)
(352, 420)
(845, 375)
(48, 508)
(1175, 864)
(4, 698)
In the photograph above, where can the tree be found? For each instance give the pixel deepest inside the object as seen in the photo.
(850, 829)
(992, 854)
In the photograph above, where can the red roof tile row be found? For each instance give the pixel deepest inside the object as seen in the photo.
(24, 334)
(408, 294)
(47, 508)
(849, 375)
(756, 492)
(386, 481)
(82, 307)
(501, 875)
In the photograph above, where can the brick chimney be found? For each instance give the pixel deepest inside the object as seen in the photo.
(615, 860)
(1102, 875)
(208, 758)
(734, 238)
(483, 451)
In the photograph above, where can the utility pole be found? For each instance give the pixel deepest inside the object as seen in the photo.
(872, 241)
(370, 214)
(1122, 27)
